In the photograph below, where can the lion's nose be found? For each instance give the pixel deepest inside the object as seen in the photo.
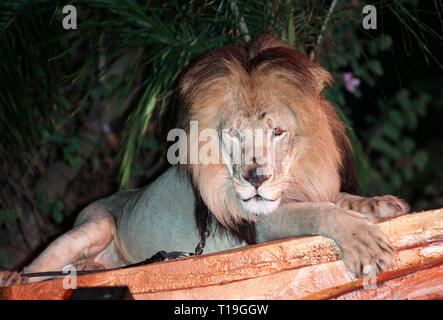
(254, 178)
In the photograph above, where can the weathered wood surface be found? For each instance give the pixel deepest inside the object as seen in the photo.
(303, 268)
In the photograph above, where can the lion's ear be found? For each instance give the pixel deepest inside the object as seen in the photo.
(322, 78)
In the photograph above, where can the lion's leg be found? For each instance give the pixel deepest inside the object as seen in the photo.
(361, 242)
(376, 208)
(91, 241)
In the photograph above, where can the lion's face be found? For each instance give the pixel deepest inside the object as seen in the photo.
(276, 134)
(257, 148)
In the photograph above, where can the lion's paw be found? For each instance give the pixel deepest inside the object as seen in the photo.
(376, 209)
(10, 278)
(365, 248)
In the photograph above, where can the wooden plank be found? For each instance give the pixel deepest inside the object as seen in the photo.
(323, 281)
(296, 268)
(421, 285)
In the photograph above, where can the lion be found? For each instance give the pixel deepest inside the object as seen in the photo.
(293, 176)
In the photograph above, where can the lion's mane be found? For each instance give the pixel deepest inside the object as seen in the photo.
(325, 166)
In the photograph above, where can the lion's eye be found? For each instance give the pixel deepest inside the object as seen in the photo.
(233, 132)
(278, 132)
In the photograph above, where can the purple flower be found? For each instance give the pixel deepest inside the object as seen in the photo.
(350, 81)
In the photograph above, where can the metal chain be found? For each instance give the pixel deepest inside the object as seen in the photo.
(199, 248)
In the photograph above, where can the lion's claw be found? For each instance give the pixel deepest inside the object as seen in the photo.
(365, 248)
